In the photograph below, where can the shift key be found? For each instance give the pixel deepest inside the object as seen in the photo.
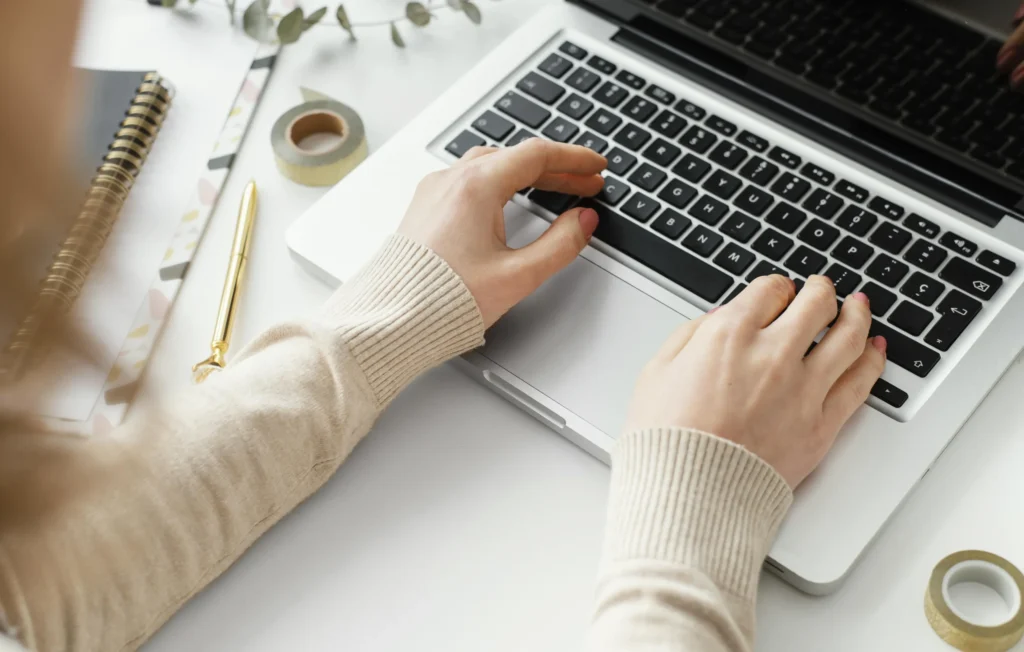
(522, 109)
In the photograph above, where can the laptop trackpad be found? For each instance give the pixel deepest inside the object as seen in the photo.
(582, 338)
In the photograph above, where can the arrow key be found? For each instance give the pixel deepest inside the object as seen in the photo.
(889, 393)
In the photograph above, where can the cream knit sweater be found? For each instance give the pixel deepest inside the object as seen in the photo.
(108, 537)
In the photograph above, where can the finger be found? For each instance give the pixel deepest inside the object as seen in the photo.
(571, 184)
(844, 343)
(1012, 52)
(680, 337)
(521, 166)
(554, 249)
(854, 386)
(475, 153)
(811, 311)
(763, 300)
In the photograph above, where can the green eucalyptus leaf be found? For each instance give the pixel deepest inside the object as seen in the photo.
(192, 2)
(396, 38)
(455, 5)
(290, 28)
(313, 18)
(472, 11)
(264, 5)
(343, 21)
(257, 23)
(168, 3)
(417, 14)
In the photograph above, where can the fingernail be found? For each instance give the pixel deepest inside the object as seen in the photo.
(588, 221)
(1006, 57)
(860, 296)
(879, 342)
(714, 310)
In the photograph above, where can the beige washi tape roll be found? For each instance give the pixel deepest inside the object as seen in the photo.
(951, 624)
(317, 115)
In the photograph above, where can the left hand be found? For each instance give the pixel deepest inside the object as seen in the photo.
(458, 213)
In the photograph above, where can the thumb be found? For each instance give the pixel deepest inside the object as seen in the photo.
(558, 246)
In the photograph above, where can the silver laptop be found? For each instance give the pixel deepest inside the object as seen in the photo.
(870, 141)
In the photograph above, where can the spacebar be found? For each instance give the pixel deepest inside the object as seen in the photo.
(668, 260)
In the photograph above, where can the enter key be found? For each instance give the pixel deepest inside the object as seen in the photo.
(957, 311)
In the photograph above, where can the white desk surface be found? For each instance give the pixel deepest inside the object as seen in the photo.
(461, 523)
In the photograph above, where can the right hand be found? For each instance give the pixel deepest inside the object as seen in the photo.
(741, 373)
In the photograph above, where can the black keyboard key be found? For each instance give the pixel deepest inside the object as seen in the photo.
(735, 293)
(632, 137)
(560, 130)
(889, 393)
(959, 244)
(916, 358)
(591, 141)
(819, 174)
(740, 227)
(671, 224)
(522, 109)
(662, 152)
(970, 278)
(691, 168)
(879, 298)
(668, 124)
(540, 88)
(708, 210)
(923, 289)
(823, 203)
(887, 270)
(611, 94)
(640, 207)
(753, 141)
(753, 200)
(910, 318)
(918, 224)
(583, 80)
(789, 159)
(493, 126)
(600, 65)
(890, 238)
(639, 109)
(856, 220)
(805, 262)
(759, 171)
(463, 143)
(956, 312)
(819, 235)
(678, 193)
(555, 202)
(573, 50)
(722, 184)
(734, 259)
(698, 139)
(603, 122)
(728, 155)
(660, 94)
(620, 161)
(886, 208)
(925, 255)
(648, 177)
(853, 252)
(851, 191)
(631, 80)
(555, 65)
(721, 125)
(575, 106)
(675, 264)
(690, 110)
(772, 244)
(613, 191)
(520, 136)
(790, 187)
(764, 268)
(846, 281)
(996, 263)
(702, 240)
(786, 217)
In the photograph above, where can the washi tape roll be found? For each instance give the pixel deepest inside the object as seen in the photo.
(952, 625)
(321, 166)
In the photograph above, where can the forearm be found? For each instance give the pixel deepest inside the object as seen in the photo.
(690, 520)
(142, 520)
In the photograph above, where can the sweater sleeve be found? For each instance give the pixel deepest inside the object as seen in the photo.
(690, 520)
(103, 539)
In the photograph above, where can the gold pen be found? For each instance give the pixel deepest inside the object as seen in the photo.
(226, 313)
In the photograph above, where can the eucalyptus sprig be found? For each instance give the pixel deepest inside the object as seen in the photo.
(265, 27)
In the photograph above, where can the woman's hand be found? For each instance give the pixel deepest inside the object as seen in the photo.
(458, 214)
(1011, 55)
(741, 373)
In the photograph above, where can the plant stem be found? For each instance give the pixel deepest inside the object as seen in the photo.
(430, 6)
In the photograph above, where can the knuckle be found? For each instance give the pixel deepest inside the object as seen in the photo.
(475, 151)
(775, 285)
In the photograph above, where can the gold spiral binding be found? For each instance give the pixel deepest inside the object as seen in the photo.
(89, 231)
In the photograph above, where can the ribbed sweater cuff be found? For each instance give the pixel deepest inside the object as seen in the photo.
(687, 497)
(405, 312)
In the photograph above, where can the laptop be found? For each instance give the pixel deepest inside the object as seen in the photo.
(869, 140)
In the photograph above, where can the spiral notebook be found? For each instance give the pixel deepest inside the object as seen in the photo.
(120, 124)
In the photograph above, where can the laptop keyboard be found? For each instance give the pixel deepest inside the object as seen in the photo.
(893, 59)
(711, 206)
